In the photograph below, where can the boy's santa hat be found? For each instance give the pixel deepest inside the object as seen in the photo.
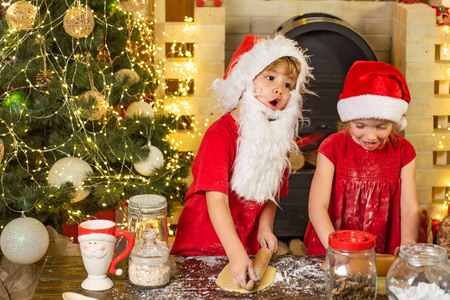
(374, 90)
(253, 56)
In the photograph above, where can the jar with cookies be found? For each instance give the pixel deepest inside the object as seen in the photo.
(350, 265)
(443, 233)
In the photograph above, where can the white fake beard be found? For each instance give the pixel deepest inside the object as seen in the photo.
(263, 147)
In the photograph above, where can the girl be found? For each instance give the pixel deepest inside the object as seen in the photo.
(365, 173)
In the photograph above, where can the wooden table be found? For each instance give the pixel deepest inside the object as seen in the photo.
(298, 277)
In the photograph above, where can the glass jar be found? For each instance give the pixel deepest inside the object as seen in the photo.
(443, 233)
(148, 211)
(148, 262)
(351, 269)
(420, 272)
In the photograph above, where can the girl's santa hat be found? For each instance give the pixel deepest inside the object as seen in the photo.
(251, 58)
(374, 90)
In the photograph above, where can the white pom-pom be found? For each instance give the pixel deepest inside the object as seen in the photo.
(401, 125)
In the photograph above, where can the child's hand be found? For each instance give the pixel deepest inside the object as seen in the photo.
(266, 238)
(397, 250)
(241, 271)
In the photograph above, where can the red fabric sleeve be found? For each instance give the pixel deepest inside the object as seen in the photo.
(214, 161)
(407, 153)
(328, 147)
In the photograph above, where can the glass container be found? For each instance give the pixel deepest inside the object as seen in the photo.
(421, 271)
(148, 262)
(351, 269)
(148, 211)
(443, 233)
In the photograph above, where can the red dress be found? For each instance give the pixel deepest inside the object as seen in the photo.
(366, 190)
(212, 171)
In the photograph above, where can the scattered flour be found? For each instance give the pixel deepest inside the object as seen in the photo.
(278, 277)
(210, 261)
(423, 291)
(296, 278)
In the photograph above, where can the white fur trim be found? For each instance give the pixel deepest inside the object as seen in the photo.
(251, 63)
(372, 107)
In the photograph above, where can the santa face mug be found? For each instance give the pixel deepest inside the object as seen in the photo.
(97, 240)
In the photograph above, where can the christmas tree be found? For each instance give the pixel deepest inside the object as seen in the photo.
(81, 128)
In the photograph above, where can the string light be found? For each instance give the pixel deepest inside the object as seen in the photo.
(34, 160)
(444, 56)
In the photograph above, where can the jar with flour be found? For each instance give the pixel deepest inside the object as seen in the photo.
(421, 271)
(148, 264)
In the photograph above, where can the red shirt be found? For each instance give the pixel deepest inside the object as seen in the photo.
(366, 190)
(212, 171)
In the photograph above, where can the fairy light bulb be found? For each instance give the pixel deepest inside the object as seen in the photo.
(37, 162)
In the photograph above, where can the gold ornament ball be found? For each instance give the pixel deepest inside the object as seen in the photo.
(99, 108)
(134, 5)
(129, 75)
(297, 160)
(20, 15)
(79, 22)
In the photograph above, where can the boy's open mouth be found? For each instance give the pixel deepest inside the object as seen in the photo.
(274, 102)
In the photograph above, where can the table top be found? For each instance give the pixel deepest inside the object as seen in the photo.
(192, 277)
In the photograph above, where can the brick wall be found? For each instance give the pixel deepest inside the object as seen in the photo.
(418, 53)
(404, 35)
(207, 33)
(373, 20)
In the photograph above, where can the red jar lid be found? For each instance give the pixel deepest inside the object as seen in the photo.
(351, 240)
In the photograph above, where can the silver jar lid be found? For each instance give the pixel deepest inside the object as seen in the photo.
(147, 202)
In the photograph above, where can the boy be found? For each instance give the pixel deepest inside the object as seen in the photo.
(242, 166)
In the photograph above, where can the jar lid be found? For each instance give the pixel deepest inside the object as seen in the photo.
(147, 202)
(423, 253)
(351, 240)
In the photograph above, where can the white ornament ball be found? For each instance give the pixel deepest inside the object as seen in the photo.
(71, 169)
(127, 74)
(79, 22)
(154, 161)
(20, 15)
(24, 240)
(140, 108)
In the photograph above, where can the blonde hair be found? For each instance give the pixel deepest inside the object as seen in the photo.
(292, 66)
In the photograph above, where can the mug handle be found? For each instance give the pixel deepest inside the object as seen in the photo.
(130, 239)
